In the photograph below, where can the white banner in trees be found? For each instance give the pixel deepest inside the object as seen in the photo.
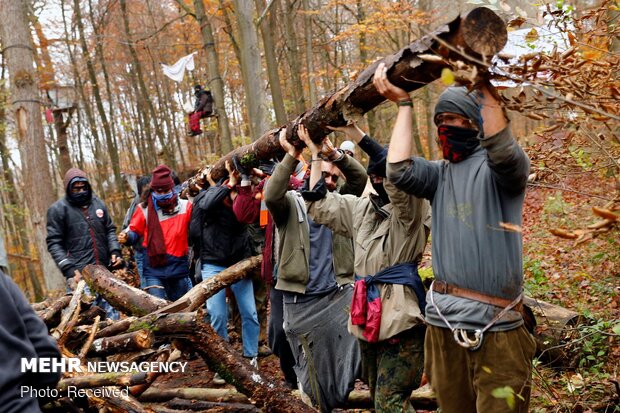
(176, 72)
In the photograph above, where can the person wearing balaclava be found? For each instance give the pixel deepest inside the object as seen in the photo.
(161, 221)
(80, 232)
(387, 311)
(476, 340)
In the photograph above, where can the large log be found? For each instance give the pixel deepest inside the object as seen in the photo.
(194, 405)
(49, 314)
(123, 297)
(479, 34)
(220, 358)
(137, 340)
(262, 390)
(198, 295)
(102, 379)
(555, 330)
(203, 394)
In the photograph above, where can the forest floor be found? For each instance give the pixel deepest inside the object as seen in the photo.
(583, 278)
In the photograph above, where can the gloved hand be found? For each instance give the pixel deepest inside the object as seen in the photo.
(242, 169)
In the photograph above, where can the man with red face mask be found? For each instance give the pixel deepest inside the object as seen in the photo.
(476, 340)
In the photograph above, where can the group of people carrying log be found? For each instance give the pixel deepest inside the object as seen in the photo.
(346, 300)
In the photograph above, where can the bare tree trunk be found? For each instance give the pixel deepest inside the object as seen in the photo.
(93, 130)
(415, 129)
(269, 47)
(309, 54)
(292, 55)
(216, 84)
(100, 57)
(363, 51)
(19, 53)
(112, 149)
(255, 98)
(61, 125)
(427, 7)
(143, 89)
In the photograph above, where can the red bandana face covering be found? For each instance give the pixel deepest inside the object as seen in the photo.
(457, 143)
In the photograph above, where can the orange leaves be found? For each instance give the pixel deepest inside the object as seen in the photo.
(562, 233)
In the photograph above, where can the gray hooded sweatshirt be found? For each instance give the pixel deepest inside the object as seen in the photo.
(471, 200)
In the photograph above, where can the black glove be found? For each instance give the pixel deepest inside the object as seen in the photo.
(243, 170)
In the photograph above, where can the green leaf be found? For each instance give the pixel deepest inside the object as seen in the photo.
(506, 393)
(447, 77)
(616, 329)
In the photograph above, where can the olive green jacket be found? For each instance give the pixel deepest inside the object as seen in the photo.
(288, 210)
(381, 243)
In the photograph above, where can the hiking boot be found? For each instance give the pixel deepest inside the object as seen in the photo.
(254, 362)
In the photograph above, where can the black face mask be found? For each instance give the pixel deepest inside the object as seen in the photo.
(457, 143)
(81, 198)
(380, 190)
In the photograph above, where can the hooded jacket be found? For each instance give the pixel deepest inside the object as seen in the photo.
(78, 236)
(22, 335)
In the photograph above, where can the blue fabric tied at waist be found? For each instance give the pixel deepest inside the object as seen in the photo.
(366, 305)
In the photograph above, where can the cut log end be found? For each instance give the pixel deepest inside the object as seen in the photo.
(484, 31)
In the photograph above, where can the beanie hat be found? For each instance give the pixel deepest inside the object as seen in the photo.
(347, 146)
(457, 99)
(162, 179)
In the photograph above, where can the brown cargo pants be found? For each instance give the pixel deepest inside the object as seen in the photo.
(464, 380)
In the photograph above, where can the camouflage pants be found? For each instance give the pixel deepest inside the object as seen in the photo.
(393, 369)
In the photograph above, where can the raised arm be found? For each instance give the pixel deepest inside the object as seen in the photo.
(277, 185)
(507, 160)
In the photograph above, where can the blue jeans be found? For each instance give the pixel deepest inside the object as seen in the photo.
(218, 311)
(138, 255)
(172, 288)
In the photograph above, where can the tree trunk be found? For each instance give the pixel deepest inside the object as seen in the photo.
(61, 125)
(363, 51)
(127, 299)
(267, 25)
(49, 314)
(102, 379)
(211, 395)
(255, 98)
(308, 49)
(479, 32)
(112, 149)
(198, 295)
(19, 53)
(134, 341)
(237, 371)
(415, 128)
(215, 83)
(137, 68)
(93, 130)
(555, 328)
(292, 55)
(185, 405)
